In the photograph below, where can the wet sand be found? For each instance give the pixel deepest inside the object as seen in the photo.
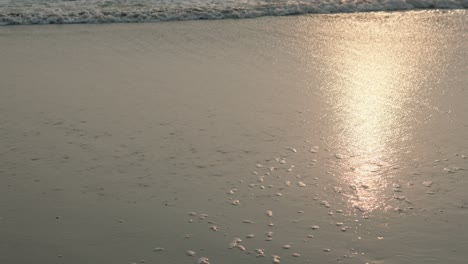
(351, 129)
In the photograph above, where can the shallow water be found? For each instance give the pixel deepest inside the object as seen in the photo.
(349, 130)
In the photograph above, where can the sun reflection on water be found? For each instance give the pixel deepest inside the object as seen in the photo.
(369, 107)
(369, 101)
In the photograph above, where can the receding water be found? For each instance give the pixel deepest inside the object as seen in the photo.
(308, 139)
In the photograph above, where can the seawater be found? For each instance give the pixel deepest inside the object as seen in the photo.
(18, 12)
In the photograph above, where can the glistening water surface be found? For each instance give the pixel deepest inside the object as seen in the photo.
(318, 139)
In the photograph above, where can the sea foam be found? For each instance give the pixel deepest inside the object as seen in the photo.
(16, 12)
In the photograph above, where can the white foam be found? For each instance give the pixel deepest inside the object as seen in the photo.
(128, 11)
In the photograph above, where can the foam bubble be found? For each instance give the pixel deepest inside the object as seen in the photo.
(240, 247)
(203, 260)
(260, 252)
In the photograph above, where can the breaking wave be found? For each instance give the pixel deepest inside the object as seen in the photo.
(17, 12)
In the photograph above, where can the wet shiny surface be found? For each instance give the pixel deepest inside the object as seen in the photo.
(328, 138)
(382, 88)
(376, 96)
(368, 103)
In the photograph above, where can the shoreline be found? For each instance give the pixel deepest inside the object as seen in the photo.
(118, 20)
(343, 136)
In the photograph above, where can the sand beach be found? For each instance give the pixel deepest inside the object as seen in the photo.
(338, 138)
